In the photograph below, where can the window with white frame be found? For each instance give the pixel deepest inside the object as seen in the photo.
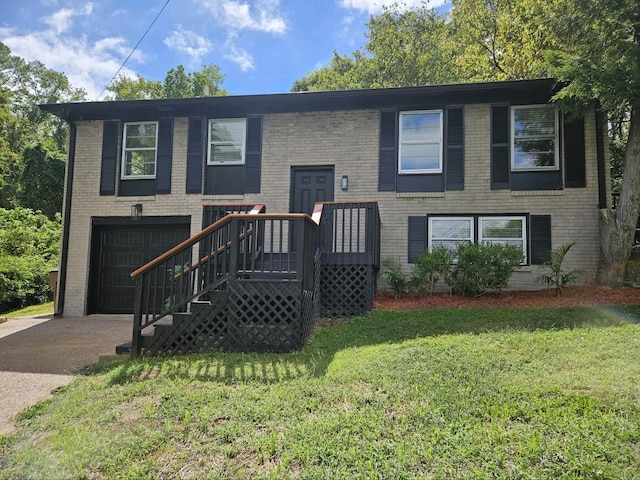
(420, 142)
(504, 230)
(534, 137)
(227, 139)
(139, 150)
(450, 231)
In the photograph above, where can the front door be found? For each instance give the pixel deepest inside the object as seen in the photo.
(308, 186)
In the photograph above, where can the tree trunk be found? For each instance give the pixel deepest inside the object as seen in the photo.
(617, 227)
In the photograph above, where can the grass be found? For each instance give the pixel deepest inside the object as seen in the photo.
(42, 309)
(453, 393)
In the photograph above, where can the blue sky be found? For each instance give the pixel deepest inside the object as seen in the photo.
(262, 46)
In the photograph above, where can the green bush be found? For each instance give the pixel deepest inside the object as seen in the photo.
(430, 266)
(29, 244)
(556, 276)
(481, 268)
(396, 277)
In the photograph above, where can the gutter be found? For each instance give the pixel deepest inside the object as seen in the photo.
(66, 222)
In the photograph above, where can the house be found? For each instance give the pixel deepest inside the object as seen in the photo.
(398, 170)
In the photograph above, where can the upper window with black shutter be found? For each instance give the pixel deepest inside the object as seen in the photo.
(534, 138)
(139, 150)
(420, 142)
(227, 140)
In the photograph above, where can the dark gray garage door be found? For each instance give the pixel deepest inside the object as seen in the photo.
(119, 250)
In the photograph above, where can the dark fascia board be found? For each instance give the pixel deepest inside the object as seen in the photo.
(430, 96)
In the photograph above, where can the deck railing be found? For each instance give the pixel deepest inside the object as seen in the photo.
(349, 233)
(238, 246)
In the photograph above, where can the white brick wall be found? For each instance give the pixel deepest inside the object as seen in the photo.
(348, 141)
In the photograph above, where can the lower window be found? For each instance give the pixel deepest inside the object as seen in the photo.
(451, 231)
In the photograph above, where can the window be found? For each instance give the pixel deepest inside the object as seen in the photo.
(534, 137)
(139, 150)
(450, 231)
(227, 141)
(420, 142)
(504, 230)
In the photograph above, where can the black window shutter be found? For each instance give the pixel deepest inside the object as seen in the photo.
(500, 162)
(195, 157)
(388, 151)
(417, 235)
(165, 152)
(108, 169)
(454, 157)
(574, 154)
(253, 160)
(540, 226)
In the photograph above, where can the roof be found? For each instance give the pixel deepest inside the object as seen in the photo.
(430, 96)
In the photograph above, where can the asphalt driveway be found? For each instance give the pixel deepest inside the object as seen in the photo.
(40, 354)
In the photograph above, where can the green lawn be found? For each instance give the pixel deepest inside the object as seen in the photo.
(33, 310)
(454, 393)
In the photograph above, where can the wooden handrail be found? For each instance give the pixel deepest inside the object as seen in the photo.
(195, 238)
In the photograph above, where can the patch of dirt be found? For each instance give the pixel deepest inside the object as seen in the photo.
(585, 295)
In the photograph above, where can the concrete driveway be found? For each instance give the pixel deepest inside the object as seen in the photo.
(40, 354)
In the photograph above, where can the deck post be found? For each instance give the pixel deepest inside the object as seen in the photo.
(137, 319)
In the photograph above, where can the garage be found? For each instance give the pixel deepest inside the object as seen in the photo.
(120, 246)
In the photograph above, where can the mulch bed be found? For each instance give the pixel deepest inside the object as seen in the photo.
(586, 295)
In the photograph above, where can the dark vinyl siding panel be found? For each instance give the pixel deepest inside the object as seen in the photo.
(387, 168)
(574, 154)
(253, 154)
(195, 154)
(540, 228)
(500, 161)
(109, 163)
(417, 236)
(165, 153)
(454, 152)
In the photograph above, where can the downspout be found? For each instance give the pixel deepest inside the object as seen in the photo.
(602, 177)
(66, 222)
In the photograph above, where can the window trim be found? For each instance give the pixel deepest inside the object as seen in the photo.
(243, 147)
(440, 168)
(556, 139)
(123, 163)
(430, 238)
(525, 252)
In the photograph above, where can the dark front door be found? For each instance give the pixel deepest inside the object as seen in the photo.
(119, 250)
(310, 185)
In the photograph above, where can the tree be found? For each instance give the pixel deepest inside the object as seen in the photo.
(41, 180)
(176, 84)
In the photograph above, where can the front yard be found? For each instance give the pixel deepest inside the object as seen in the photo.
(440, 393)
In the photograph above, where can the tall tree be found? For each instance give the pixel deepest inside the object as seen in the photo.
(41, 171)
(177, 84)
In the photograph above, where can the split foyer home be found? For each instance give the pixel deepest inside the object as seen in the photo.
(378, 173)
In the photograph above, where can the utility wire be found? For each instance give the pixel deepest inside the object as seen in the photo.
(134, 49)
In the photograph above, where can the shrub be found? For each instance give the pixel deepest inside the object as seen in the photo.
(396, 277)
(484, 267)
(556, 276)
(430, 266)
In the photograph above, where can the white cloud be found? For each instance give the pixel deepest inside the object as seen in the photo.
(62, 20)
(88, 64)
(263, 16)
(188, 42)
(376, 6)
(241, 57)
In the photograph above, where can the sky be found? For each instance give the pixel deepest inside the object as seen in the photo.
(262, 46)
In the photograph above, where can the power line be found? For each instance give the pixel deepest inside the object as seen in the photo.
(134, 49)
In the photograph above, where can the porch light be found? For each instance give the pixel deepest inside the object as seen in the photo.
(136, 211)
(344, 183)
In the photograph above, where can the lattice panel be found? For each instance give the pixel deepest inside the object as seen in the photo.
(346, 290)
(265, 316)
(202, 330)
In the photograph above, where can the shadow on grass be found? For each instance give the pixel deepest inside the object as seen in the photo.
(376, 328)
